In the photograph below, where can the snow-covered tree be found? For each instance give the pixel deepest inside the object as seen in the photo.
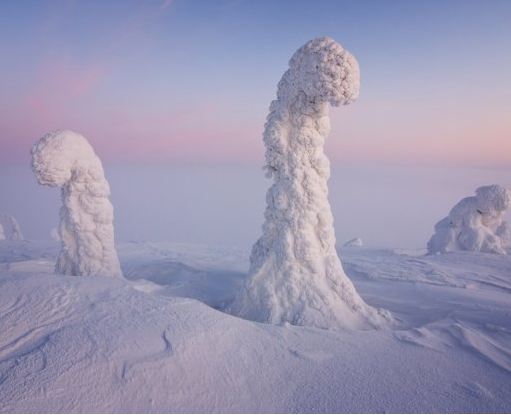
(2, 233)
(65, 159)
(475, 223)
(10, 227)
(295, 273)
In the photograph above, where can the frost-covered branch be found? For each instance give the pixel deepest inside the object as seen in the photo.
(295, 273)
(65, 159)
(475, 223)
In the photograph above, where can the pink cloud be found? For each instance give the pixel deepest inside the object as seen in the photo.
(166, 4)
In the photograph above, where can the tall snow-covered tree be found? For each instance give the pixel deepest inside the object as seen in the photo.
(295, 273)
(475, 223)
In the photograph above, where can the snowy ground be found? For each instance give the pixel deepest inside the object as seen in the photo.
(157, 342)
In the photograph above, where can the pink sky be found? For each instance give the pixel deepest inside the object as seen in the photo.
(143, 86)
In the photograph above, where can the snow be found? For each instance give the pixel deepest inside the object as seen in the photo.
(151, 342)
(54, 234)
(475, 223)
(9, 228)
(353, 243)
(65, 159)
(295, 273)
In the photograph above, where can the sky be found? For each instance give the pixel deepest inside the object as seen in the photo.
(173, 96)
(190, 82)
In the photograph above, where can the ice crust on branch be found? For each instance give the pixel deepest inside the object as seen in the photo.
(295, 275)
(475, 223)
(65, 159)
(10, 229)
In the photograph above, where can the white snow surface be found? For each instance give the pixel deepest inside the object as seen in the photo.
(65, 159)
(157, 342)
(9, 227)
(295, 273)
(475, 223)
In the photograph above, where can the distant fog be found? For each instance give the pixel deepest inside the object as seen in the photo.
(385, 206)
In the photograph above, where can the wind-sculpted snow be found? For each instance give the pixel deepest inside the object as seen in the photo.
(65, 159)
(475, 223)
(107, 345)
(9, 228)
(295, 273)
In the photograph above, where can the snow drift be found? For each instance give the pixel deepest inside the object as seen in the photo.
(475, 223)
(9, 228)
(65, 159)
(295, 273)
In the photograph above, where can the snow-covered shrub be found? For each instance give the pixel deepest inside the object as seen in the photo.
(10, 228)
(295, 273)
(475, 223)
(355, 242)
(65, 159)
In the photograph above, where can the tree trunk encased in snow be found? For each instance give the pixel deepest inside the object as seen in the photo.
(66, 159)
(475, 223)
(295, 273)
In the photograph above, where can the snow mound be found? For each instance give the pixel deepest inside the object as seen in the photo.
(65, 159)
(475, 223)
(295, 273)
(355, 242)
(9, 228)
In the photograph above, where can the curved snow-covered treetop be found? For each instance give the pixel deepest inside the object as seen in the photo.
(295, 273)
(323, 71)
(10, 229)
(475, 223)
(65, 159)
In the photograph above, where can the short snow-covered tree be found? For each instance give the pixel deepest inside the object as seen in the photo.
(10, 227)
(295, 274)
(475, 223)
(65, 159)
